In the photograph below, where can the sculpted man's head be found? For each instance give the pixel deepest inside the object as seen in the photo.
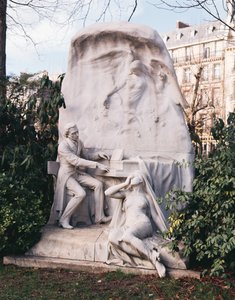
(71, 131)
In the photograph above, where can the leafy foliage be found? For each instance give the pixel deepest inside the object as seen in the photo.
(207, 223)
(21, 214)
(28, 139)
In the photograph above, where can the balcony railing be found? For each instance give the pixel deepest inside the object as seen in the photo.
(200, 57)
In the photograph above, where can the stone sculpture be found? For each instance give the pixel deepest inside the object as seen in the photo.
(121, 90)
(73, 177)
(118, 69)
(136, 218)
(133, 99)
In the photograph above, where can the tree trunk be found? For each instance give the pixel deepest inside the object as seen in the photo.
(3, 29)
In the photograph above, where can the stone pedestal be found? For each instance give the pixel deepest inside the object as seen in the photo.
(83, 243)
(81, 249)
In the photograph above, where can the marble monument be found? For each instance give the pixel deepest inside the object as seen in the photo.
(125, 105)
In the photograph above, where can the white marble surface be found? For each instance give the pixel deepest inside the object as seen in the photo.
(89, 244)
(121, 90)
(86, 243)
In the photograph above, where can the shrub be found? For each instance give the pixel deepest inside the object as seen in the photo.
(28, 139)
(207, 224)
(21, 215)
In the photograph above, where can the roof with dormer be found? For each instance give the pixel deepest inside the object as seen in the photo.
(210, 31)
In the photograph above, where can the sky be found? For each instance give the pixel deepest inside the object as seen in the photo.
(48, 43)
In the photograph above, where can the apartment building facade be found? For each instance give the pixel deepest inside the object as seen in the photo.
(204, 61)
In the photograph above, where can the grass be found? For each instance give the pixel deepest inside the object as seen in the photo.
(48, 284)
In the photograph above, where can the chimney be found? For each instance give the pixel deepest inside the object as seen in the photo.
(180, 25)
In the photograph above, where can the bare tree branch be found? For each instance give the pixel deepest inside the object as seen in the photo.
(103, 13)
(133, 11)
(209, 6)
(214, 16)
(28, 37)
(87, 12)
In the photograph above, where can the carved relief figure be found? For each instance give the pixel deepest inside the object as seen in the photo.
(136, 83)
(137, 217)
(72, 176)
(130, 90)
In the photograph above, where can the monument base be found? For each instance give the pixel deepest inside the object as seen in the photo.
(87, 243)
(81, 249)
(87, 266)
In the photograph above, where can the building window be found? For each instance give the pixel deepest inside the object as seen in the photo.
(216, 96)
(177, 72)
(217, 51)
(216, 71)
(187, 95)
(210, 29)
(166, 38)
(187, 75)
(179, 35)
(193, 33)
(187, 53)
(205, 73)
(173, 56)
(206, 52)
(204, 97)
